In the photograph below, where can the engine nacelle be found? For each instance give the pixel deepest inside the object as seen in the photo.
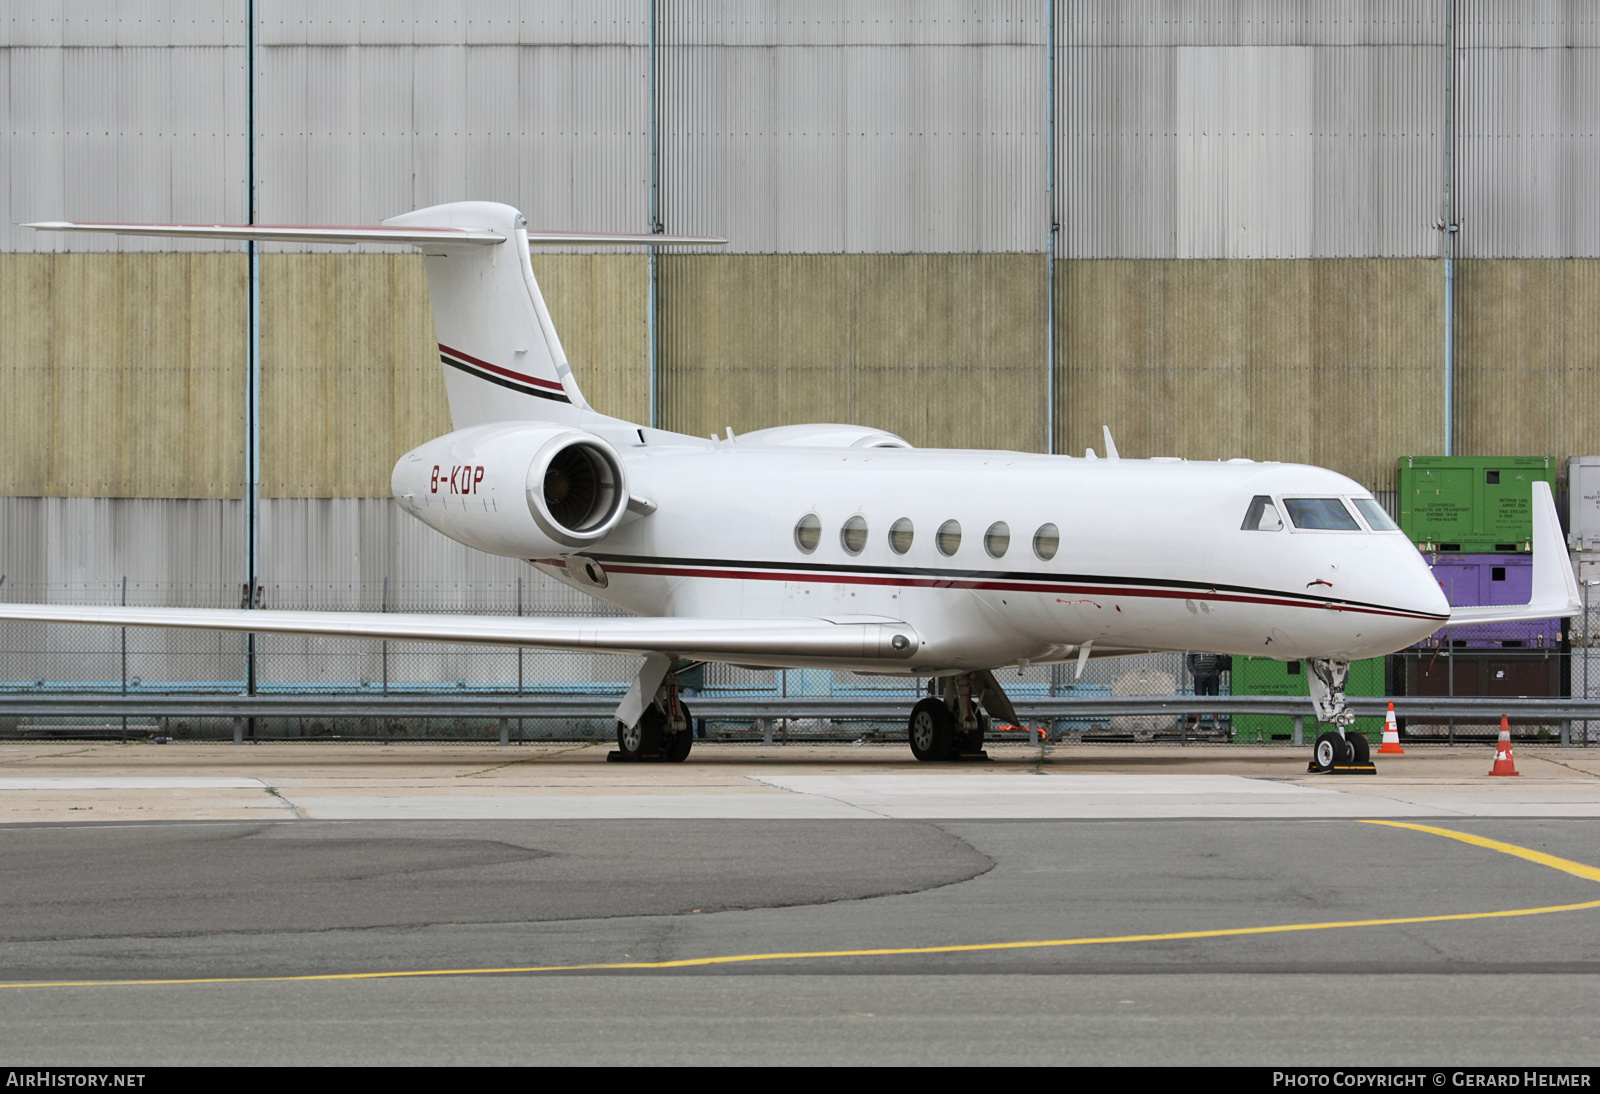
(514, 488)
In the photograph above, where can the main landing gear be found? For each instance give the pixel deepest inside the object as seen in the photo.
(948, 724)
(1337, 751)
(659, 730)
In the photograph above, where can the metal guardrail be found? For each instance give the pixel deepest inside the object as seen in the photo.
(736, 708)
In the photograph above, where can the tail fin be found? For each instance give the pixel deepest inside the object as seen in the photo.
(502, 358)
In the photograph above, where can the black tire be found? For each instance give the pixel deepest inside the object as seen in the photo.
(642, 741)
(677, 745)
(932, 730)
(1360, 747)
(1330, 751)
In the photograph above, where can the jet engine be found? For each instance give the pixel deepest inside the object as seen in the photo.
(516, 489)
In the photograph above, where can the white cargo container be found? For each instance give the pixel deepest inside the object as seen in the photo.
(1583, 505)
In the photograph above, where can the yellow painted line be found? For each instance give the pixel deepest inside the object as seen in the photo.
(1566, 865)
(1591, 873)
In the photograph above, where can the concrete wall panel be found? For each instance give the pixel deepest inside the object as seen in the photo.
(123, 375)
(1528, 357)
(1334, 363)
(349, 378)
(945, 350)
(599, 305)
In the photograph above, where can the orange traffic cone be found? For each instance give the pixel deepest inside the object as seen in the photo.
(1391, 736)
(1504, 764)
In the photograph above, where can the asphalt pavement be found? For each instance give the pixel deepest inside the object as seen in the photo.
(233, 925)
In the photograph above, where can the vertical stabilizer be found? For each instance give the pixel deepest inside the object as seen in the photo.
(501, 356)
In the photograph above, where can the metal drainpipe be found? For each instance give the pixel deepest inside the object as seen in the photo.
(124, 658)
(253, 367)
(1050, 214)
(1449, 227)
(652, 308)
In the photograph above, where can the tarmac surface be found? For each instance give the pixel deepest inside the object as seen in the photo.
(416, 903)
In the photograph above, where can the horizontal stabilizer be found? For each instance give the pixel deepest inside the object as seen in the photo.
(699, 639)
(619, 239)
(281, 233)
(1555, 589)
(420, 236)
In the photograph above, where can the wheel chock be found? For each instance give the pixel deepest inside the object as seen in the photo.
(616, 757)
(974, 756)
(1367, 768)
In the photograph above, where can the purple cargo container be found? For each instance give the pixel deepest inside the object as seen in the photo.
(1471, 581)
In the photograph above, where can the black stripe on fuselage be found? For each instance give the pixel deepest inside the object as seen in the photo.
(1065, 582)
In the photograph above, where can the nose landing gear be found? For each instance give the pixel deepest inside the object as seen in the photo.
(1338, 751)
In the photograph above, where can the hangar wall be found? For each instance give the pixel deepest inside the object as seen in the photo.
(1245, 224)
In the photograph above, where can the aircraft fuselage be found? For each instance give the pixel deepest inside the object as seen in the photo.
(1148, 554)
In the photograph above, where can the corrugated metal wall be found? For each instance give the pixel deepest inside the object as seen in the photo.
(874, 127)
(371, 110)
(1248, 151)
(134, 111)
(1528, 145)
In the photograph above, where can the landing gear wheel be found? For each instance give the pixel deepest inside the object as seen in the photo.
(642, 740)
(1330, 750)
(932, 730)
(1360, 747)
(678, 744)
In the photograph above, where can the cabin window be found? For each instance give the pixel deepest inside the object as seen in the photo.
(948, 539)
(1377, 519)
(901, 533)
(1262, 516)
(853, 536)
(1320, 515)
(1047, 541)
(808, 533)
(997, 540)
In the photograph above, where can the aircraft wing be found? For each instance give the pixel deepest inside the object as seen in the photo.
(697, 639)
(1555, 589)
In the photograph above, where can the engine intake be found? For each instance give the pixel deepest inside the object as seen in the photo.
(577, 488)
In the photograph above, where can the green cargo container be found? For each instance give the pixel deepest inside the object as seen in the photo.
(1264, 676)
(1472, 504)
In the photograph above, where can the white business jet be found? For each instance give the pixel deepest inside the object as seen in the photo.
(839, 546)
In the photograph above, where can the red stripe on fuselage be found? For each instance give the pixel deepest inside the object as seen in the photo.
(498, 371)
(991, 585)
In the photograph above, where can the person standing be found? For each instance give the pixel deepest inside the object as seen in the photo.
(1206, 671)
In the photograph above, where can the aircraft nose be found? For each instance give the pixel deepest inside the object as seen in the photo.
(1415, 589)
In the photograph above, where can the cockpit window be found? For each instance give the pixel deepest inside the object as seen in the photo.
(1320, 514)
(1262, 516)
(1376, 518)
